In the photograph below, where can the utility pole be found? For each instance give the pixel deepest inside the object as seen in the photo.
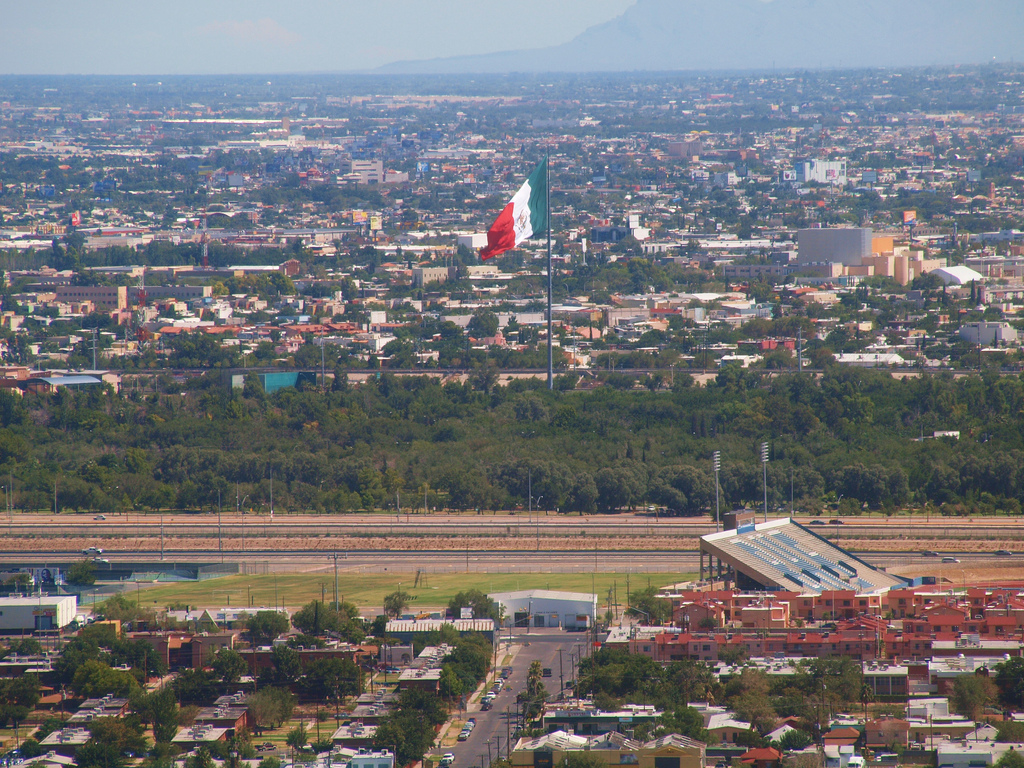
(764, 466)
(800, 349)
(336, 604)
(716, 463)
(220, 529)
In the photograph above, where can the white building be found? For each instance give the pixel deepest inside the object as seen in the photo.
(548, 608)
(822, 172)
(988, 333)
(474, 241)
(38, 612)
(369, 759)
(958, 275)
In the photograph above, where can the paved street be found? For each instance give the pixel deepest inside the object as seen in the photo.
(495, 726)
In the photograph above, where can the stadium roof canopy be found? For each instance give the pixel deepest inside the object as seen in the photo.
(783, 555)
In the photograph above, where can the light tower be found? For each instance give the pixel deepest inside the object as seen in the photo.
(764, 466)
(716, 463)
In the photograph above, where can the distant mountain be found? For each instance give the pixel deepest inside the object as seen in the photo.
(659, 35)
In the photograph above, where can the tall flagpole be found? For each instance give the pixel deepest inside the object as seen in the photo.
(547, 196)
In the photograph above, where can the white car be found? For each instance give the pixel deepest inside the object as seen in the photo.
(92, 551)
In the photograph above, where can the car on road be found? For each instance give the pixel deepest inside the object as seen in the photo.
(100, 517)
(92, 551)
(929, 553)
(816, 522)
(836, 522)
(1003, 553)
(446, 760)
(951, 559)
(101, 561)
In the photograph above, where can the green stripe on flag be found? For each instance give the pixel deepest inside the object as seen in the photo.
(539, 198)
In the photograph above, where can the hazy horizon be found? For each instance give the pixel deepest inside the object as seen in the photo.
(117, 37)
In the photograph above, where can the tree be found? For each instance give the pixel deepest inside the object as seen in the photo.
(297, 737)
(794, 740)
(577, 759)
(450, 685)
(332, 679)
(195, 686)
(1010, 759)
(645, 602)
(971, 694)
(270, 707)
(396, 602)
(266, 626)
(228, 665)
(483, 607)
(483, 324)
(287, 664)
(81, 574)
(159, 708)
(111, 741)
(318, 618)
(1010, 732)
(1010, 680)
(95, 679)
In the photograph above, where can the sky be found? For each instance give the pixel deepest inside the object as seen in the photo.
(256, 36)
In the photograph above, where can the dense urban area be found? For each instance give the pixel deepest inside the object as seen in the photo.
(787, 293)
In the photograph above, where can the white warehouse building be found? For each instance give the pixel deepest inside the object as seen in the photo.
(37, 612)
(547, 608)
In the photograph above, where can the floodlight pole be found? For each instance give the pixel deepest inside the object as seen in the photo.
(716, 462)
(764, 465)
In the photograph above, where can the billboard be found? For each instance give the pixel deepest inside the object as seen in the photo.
(376, 223)
(789, 175)
(909, 216)
(359, 217)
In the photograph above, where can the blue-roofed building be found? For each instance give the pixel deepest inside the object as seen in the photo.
(783, 555)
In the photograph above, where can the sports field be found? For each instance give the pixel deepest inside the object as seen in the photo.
(367, 590)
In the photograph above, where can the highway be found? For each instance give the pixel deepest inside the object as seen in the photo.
(520, 525)
(463, 561)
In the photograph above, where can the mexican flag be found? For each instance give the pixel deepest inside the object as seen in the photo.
(526, 215)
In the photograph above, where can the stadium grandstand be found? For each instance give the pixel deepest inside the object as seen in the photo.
(783, 555)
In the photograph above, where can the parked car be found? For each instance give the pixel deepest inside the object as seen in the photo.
(463, 735)
(446, 760)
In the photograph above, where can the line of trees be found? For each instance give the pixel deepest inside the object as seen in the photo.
(852, 435)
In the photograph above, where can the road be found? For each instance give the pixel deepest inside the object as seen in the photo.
(495, 726)
(238, 531)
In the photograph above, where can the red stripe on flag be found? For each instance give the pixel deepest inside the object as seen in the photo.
(501, 236)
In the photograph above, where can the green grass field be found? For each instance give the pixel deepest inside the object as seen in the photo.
(368, 589)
